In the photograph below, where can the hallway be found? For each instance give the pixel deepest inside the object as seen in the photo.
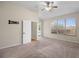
(43, 48)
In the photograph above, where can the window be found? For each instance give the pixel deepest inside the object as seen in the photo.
(54, 27)
(70, 26)
(61, 26)
(64, 26)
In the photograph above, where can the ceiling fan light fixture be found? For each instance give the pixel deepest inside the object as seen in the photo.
(48, 8)
(51, 4)
(48, 5)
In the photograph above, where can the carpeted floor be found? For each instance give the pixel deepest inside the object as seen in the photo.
(44, 48)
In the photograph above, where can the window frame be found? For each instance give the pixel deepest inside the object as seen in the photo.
(65, 26)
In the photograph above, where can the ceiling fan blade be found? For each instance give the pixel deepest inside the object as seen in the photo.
(54, 6)
(52, 2)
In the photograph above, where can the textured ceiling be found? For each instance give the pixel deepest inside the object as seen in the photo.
(32, 5)
(64, 7)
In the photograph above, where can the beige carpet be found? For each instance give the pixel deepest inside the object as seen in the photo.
(44, 48)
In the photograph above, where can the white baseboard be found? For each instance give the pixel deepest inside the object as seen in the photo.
(9, 46)
(61, 40)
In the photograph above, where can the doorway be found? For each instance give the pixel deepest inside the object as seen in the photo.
(29, 32)
(34, 31)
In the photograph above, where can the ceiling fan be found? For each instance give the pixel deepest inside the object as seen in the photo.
(48, 6)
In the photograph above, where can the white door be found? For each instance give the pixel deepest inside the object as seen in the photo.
(26, 31)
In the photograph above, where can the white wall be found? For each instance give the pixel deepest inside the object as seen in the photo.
(10, 34)
(47, 28)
